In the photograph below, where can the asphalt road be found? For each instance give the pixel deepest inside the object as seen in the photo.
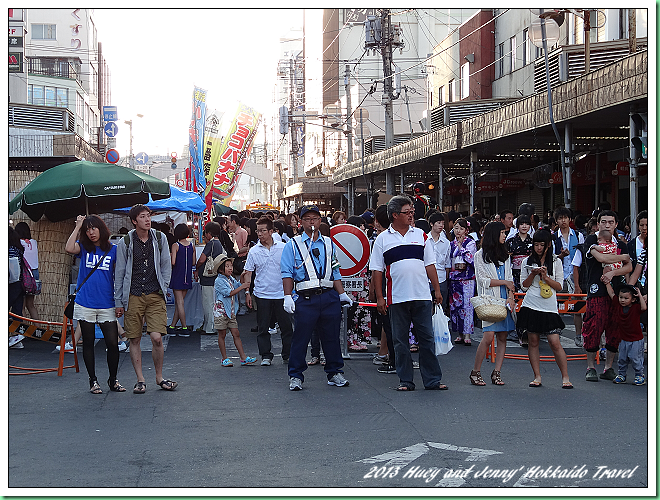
(241, 427)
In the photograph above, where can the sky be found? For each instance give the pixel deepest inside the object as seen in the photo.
(157, 56)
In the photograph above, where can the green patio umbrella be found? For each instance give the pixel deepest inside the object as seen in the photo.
(84, 187)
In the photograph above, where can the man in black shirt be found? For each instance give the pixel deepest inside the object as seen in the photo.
(597, 316)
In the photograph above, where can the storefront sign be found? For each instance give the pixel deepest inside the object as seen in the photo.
(16, 62)
(488, 186)
(513, 183)
(15, 41)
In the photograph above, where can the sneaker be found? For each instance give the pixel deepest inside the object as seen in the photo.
(591, 376)
(295, 384)
(639, 380)
(123, 346)
(170, 330)
(248, 361)
(67, 347)
(619, 379)
(608, 374)
(379, 360)
(183, 332)
(227, 362)
(338, 380)
(578, 341)
(265, 362)
(415, 365)
(385, 368)
(17, 345)
(272, 331)
(15, 339)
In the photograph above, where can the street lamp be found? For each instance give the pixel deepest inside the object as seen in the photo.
(130, 148)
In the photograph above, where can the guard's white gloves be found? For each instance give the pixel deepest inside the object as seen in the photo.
(345, 299)
(289, 304)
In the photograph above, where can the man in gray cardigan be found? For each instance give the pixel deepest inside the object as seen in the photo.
(142, 275)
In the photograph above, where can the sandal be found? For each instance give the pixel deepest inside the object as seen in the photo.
(467, 343)
(458, 340)
(167, 385)
(495, 378)
(439, 387)
(475, 378)
(414, 348)
(535, 383)
(94, 387)
(314, 361)
(404, 388)
(566, 385)
(116, 387)
(140, 388)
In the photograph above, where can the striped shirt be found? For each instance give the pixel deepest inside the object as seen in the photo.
(403, 259)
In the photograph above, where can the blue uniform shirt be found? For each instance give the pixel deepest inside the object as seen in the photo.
(291, 263)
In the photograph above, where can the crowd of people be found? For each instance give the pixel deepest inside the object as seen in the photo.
(285, 267)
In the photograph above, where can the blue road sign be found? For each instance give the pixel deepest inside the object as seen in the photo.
(111, 129)
(112, 155)
(110, 113)
(141, 158)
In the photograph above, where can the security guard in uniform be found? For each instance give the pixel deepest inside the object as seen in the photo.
(309, 265)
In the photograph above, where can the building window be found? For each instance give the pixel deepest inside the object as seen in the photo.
(62, 98)
(441, 95)
(80, 106)
(465, 80)
(525, 47)
(43, 31)
(37, 95)
(452, 91)
(512, 53)
(50, 96)
(499, 65)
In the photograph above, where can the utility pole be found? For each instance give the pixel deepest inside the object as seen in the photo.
(632, 35)
(292, 124)
(386, 51)
(349, 129)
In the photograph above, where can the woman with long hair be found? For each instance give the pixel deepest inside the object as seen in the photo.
(461, 282)
(291, 224)
(542, 276)
(95, 303)
(15, 291)
(183, 259)
(494, 277)
(31, 254)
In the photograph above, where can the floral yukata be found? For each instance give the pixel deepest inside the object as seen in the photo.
(461, 287)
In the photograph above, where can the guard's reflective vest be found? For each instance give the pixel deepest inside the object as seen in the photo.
(312, 278)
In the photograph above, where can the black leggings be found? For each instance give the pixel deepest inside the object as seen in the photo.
(111, 337)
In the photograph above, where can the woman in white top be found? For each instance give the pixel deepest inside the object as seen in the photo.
(542, 276)
(492, 268)
(31, 254)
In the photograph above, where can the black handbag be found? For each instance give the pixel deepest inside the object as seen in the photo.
(68, 310)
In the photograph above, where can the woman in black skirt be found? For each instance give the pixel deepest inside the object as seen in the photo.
(542, 277)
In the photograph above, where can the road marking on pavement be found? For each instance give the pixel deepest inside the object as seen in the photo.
(404, 456)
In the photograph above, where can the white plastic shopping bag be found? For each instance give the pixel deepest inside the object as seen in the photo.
(441, 332)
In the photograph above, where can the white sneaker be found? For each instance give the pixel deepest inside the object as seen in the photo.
(123, 346)
(265, 362)
(67, 347)
(17, 345)
(15, 339)
(272, 331)
(338, 380)
(295, 384)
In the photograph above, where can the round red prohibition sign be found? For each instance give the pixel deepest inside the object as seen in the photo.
(352, 248)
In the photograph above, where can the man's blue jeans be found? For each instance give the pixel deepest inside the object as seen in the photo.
(419, 313)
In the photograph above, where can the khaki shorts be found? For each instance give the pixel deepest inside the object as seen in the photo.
(150, 307)
(223, 322)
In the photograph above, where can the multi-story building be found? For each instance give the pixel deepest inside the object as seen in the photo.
(491, 143)
(56, 111)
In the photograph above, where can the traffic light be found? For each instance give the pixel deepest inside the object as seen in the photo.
(284, 120)
(173, 158)
(638, 136)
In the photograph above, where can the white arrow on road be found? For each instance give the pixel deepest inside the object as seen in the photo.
(404, 456)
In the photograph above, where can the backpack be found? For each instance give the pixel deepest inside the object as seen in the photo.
(29, 283)
(212, 263)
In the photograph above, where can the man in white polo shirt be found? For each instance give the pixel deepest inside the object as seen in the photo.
(264, 259)
(404, 254)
